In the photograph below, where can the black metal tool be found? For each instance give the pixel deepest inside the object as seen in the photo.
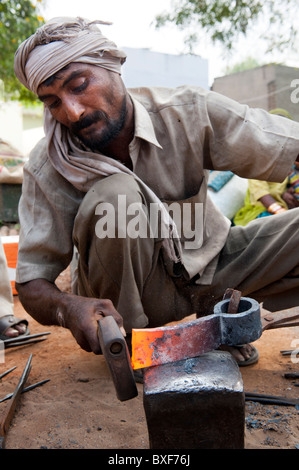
(26, 389)
(7, 372)
(14, 401)
(271, 399)
(291, 375)
(22, 340)
(116, 353)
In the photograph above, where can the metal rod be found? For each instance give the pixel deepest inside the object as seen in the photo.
(25, 338)
(287, 352)
(26, 389)
(22, 343)
(291, 375)
(7, 372)
(271, 399)
(14, 401)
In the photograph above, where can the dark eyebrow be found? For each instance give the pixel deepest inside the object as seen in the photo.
(44, 97)
(71, 77)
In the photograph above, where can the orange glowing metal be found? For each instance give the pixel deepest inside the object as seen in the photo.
(141, 346)
(154, 346)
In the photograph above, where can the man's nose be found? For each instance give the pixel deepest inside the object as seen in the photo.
(74, 110)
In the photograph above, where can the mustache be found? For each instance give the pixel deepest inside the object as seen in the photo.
(88, 121)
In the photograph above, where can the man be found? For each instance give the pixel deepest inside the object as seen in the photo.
(110, 153)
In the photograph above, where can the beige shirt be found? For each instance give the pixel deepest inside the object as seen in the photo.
(180, 134)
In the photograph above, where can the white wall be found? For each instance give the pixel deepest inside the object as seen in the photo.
(144, 67)
(11, 124)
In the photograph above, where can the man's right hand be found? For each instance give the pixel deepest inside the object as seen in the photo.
(50, 306)
(81, 315)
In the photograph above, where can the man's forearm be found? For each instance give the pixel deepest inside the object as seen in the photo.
(50, 306)
(42, 300)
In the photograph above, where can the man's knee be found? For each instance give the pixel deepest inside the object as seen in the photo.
(111, 202)
(113, 188)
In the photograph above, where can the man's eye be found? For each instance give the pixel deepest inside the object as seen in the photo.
(81, 87)
(54, 104)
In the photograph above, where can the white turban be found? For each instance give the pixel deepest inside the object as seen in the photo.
(60, 42)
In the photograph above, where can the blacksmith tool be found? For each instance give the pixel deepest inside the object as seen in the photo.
(154, 346)
(291, 375)
(116, 353)
(14, 401)
(26, 389)
(23, 340)
(287, 352)
(7, 372)
(271, 399)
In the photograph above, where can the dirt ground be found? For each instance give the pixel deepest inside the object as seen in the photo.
(78, 407)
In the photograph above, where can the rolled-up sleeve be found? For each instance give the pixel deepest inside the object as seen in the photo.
(47, 209)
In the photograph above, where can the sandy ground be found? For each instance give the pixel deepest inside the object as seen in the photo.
(78, 407)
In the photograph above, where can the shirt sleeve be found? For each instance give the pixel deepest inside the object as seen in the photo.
(47, 209)
(250, 142)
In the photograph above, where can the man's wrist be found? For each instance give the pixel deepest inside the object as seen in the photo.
(60, 318)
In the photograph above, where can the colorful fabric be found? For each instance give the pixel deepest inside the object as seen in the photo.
(264, 214)
(218, 179)
(294, 182)
(253, 208)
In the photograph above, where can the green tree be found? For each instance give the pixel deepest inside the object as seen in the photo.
(18, 20)
(226, 20)
(246, 64)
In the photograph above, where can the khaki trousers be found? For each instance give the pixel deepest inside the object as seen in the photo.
(260, 259)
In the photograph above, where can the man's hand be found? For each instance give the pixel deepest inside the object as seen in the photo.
(81, 315)
(49, 306)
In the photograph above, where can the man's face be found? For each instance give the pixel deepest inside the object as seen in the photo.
(89, 100)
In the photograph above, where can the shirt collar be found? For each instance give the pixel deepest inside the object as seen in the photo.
(144, 128)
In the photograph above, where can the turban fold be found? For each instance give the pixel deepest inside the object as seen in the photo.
(60, 42)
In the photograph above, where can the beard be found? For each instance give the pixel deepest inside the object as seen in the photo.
(98, 141)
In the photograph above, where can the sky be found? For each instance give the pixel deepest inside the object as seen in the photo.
(133, 27)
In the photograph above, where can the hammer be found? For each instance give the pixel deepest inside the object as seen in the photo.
(116, 353)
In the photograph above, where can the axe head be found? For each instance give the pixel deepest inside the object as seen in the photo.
(155, 346)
